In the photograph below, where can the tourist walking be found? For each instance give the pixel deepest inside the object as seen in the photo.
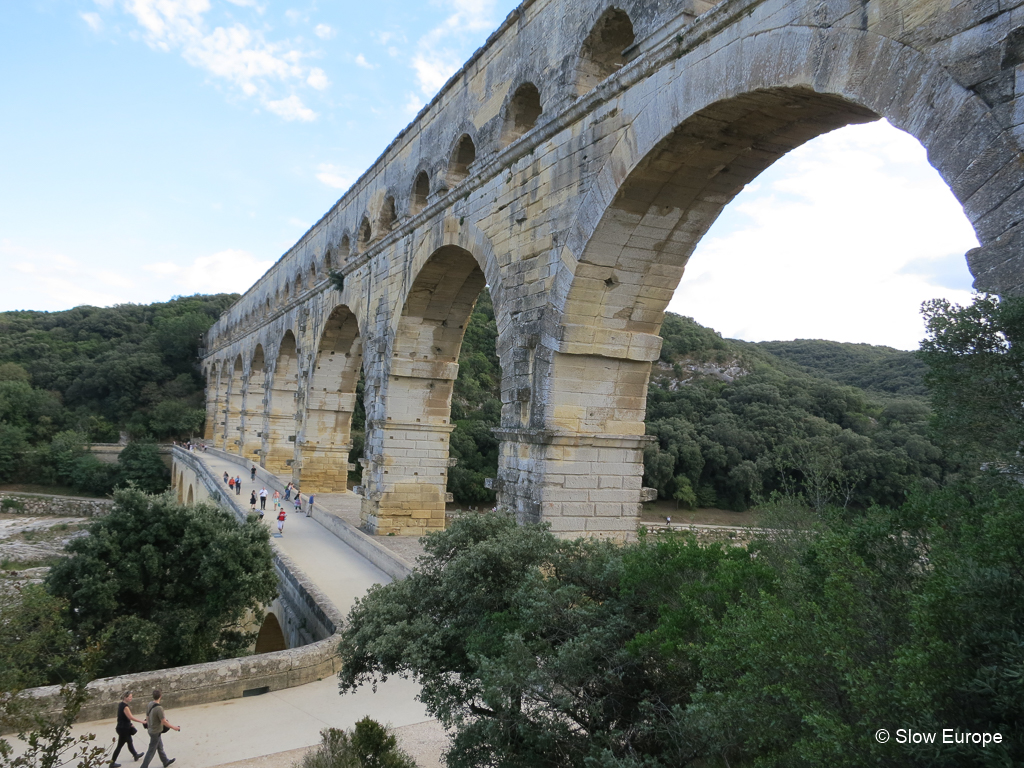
(298, 502)
(125, 730)
(288, 492)
(252, 502)
(226, 478)
(309, 505)
(277, 500)
(238, 486)
(263, 498)
(280, 521)
(252, 473)
(156, 724)
(231, 483)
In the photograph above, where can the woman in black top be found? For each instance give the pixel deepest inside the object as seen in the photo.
(125, 729)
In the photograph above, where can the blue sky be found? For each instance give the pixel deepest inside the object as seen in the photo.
(161, 147)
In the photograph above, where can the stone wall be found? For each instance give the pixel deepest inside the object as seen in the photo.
(61, 506)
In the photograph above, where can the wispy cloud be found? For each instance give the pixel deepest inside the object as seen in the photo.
(291, 108)
(317, 79)
(324, 31)
(51, 281)
(236, 54)
(440, 52)
(228, 270)
(335, 176)
(362, 62)
(93, 20)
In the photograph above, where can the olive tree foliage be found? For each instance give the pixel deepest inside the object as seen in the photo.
(542, 652)
(36, 649)
(975, 360)
(368, 745)
(165, 584)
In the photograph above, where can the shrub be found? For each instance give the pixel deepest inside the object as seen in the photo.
(369, 745)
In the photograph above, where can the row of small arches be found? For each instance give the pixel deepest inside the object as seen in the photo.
(601, 55)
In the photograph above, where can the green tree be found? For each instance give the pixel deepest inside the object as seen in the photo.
(543, 652)
(140, 463)
(166, 584)
(369, 745)
(975, 359)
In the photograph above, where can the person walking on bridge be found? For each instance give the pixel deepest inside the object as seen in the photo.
(125, 730)
(252, 473)
(263, 498)
(252, 502)
(157, 724)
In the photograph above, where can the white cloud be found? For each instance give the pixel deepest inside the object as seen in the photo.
(291, 108)
(226, 271)
(335, 176)
(440, 52)
(104, 3)
(414, 103)
(323, 31)
(93, 20)
(237, 54)
(50, 281)
(842, 239)
(362, 62)
(317, 79)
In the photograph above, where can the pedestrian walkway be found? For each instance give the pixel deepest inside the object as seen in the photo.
(241, 729)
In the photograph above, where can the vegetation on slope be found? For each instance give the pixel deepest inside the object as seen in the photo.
(872, 368)
(734, 423)
(86, 375)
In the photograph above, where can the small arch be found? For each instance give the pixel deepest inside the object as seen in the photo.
(365, 233)
(270, 638)
(190, 499)
(462, 158)
(387, 215)
(420, 191)
(602, 51)
(521, 115)
(345, 249)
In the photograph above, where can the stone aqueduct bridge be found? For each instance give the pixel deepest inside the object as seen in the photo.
(572, 165)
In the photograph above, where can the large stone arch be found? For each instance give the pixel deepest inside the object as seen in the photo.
(234, 399)
(714, 125)
(282, 408)
(327, 429)
(406, 472)
(254, 407)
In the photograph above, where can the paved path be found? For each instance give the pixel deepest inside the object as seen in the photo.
(239, 729)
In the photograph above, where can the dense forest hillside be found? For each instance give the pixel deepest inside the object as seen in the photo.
(735, 421)
(875, 369)
(87, 374)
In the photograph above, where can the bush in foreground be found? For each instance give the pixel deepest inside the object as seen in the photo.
(369, 745)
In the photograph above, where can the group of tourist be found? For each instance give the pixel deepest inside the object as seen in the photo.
(300, 504)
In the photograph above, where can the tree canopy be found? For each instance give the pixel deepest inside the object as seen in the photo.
(165, 584)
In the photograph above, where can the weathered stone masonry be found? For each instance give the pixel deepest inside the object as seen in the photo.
(572, 165)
